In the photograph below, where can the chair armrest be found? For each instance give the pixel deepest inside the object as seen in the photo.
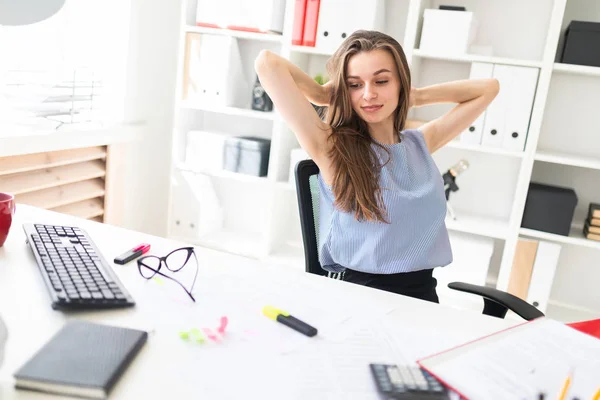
(497, 302)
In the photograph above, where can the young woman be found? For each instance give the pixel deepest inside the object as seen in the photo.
(382, 202)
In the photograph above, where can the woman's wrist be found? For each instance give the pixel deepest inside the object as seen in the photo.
(415, 97)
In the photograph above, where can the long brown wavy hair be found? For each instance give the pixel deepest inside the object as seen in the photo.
(354, 161)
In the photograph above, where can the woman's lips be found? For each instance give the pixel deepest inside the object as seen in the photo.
(370, 109)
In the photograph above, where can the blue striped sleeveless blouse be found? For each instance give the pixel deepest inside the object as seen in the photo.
(416, 237)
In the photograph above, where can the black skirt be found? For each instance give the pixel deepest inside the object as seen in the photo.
(418, 284)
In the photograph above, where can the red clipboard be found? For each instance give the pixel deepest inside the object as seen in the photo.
(591, 327)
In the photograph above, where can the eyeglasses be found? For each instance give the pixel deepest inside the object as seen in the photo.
(149, 266)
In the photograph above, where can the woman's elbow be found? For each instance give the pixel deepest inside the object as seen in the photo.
(494, 86)
(264, 61)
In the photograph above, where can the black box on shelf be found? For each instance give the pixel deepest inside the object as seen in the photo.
(549, 208)
(247, 155)
(582, 41)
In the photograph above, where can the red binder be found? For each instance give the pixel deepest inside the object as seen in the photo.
(299, 15)
(310, 22)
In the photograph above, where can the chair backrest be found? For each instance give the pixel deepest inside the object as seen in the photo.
(307, 189)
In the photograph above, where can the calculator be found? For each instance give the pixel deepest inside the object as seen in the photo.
(406, 382)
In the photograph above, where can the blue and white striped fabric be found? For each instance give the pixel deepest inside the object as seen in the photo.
(416, 237)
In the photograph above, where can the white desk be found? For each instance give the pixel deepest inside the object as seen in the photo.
(259, 358)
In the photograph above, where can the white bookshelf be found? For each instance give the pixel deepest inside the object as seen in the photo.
(562, 145)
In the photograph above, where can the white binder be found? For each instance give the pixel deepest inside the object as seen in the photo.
(195, 210)
(496, 114)
(338, 19)
(507, 117)
(473, 134)
(544, 269)
(215, 75)
(524, 84)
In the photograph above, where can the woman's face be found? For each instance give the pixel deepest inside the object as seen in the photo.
(373, 83)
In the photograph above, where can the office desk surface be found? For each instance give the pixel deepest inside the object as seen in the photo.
(257, 358)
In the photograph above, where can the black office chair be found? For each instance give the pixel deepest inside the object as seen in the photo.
(495, 302)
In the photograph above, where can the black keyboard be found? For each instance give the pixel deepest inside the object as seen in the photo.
(76, 274)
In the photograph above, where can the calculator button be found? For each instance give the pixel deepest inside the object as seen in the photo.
(420, 380)
(407, 377)
(394, 376)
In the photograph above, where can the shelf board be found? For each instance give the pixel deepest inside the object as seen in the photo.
(568, 159)
(263, 37)
(455, 144)
(478, 225)
(311, 50)
(86, 209)
(575, 237)
(467, 58)
(226, 175)
(576, 69)
(37, 161)
(241, 112)
(43, 179)
(63, 195)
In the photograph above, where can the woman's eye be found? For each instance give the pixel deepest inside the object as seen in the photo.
(354, 85)
(381, 82)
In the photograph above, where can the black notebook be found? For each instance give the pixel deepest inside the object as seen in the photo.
(83, 359)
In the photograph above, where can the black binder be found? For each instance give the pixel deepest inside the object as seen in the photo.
(83, 359)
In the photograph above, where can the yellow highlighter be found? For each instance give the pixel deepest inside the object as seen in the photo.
(286, 319)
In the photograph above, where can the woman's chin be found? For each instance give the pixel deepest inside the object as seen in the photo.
(373, 118)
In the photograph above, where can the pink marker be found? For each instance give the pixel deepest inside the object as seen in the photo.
(210, 335)
(223, 326)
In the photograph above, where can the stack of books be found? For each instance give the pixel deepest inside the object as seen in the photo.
(591, 229)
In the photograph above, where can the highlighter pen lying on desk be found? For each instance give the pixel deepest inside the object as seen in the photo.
(286, 319)
(132, 254)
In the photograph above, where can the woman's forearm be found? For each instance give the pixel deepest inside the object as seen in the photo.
(271, 63)
(455, 91)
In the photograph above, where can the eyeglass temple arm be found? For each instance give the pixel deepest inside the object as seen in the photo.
(179, 283)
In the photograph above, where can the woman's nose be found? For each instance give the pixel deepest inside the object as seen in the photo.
(369, 93)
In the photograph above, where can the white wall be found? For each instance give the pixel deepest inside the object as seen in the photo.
(150, 96)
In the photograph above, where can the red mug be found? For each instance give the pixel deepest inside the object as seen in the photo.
(7, 210)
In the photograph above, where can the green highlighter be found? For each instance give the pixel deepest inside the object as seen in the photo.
(286, 319)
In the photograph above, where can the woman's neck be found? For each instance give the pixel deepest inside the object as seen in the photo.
(383, 132)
